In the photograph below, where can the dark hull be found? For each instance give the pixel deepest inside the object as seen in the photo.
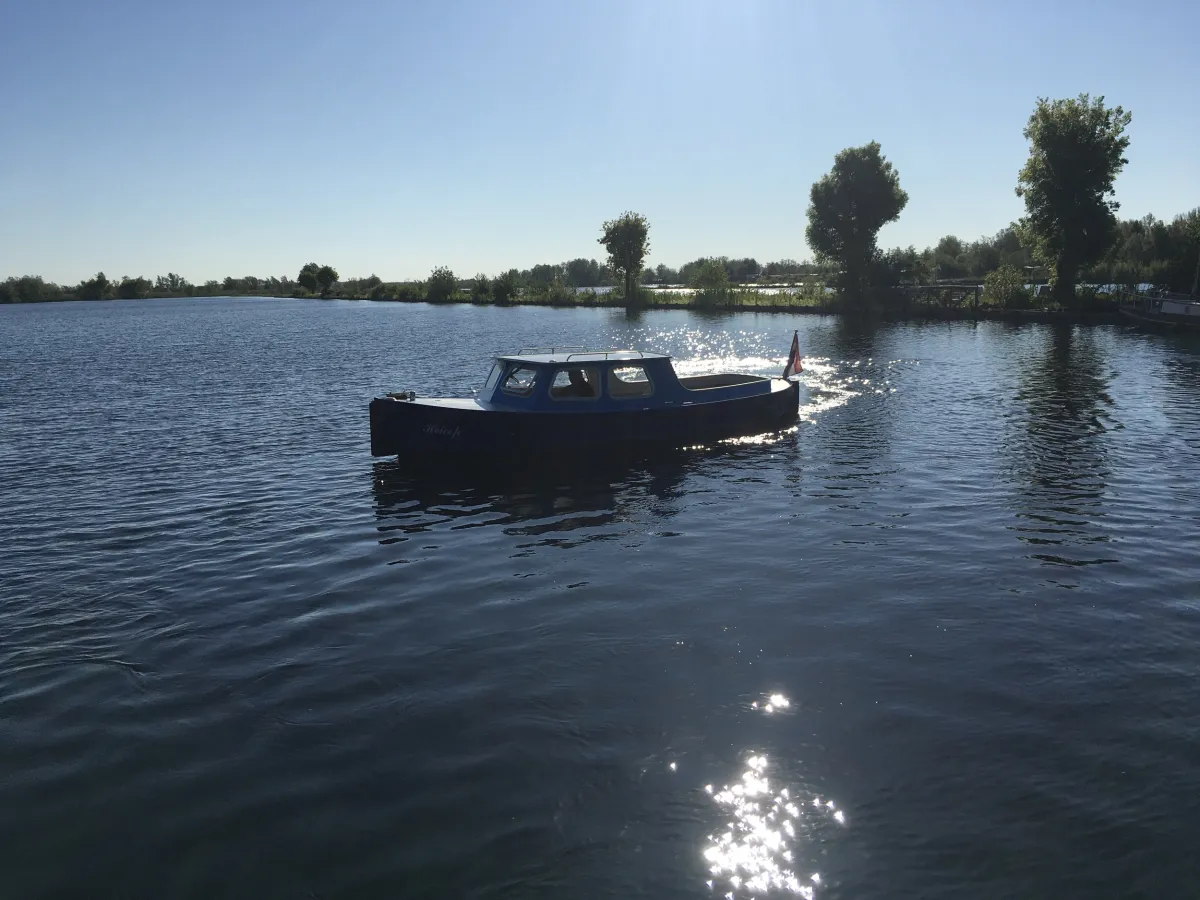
(400, 428)
(1161, 321)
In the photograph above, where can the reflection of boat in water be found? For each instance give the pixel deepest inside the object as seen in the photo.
(547, 503)
(588, 402)
(554, 501)
(1163, 309)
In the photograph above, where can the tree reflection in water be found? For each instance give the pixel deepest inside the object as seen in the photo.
(1061, 457)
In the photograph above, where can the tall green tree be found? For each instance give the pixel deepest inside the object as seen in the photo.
(504, 288)
(171, 282)
(848, 206)
(97, 288)
(307, 278)
(29, 289)
(327, 277)
(1076, 150)
(441, 286)
(627, 241)
(584, 272)
(133, 288)
(481, 289)
(1190, 226)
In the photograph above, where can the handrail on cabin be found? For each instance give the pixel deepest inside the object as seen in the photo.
(605, 353)
(579, 351)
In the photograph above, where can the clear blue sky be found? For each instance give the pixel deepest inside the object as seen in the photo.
(232, 138)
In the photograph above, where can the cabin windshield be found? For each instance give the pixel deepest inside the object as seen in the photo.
(493, 377)
(520, 381)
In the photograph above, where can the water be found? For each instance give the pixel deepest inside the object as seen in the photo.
(939, 641)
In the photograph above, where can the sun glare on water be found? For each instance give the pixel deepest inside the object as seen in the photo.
(754, 856)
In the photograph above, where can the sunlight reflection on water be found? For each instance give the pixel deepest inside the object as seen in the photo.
(828, 383)
(712, 365)
(773, 703)
(755, 853)
(827, 387)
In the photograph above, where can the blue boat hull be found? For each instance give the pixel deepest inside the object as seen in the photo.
(406, 428)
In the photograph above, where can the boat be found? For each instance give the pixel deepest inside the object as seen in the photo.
(586, 402)
(1162, 309)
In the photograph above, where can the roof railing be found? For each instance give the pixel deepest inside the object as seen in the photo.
(572, 352)
(525, 351)
(605, 353)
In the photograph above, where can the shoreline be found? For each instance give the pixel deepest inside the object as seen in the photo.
(919, 313)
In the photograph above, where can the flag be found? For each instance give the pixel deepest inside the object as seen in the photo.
(794, 366)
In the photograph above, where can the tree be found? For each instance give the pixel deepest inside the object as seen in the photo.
(848, 206)
(949, 246)
(1005, 287)
(1076, 150)
(1189, 226)
(742, 270)
(584, 272)
(307, 278)
(543, 273)
(504, 288)
(30, 289)
(481, 290)
(133, 288)
(785, 267)
(327, 277)
(171, 283)
(441, 285)
(627, 241)
(95, 289)
(711, 283)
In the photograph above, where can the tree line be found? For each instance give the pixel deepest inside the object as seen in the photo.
(540, 282)
(1069, 233)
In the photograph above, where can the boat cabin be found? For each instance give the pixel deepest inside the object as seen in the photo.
(568, 380)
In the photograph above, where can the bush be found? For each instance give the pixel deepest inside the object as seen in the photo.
(711, 283)
(1005, 287)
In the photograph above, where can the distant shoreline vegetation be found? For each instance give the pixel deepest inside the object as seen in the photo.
(989, 272)
(960, 299)
(1069, 239)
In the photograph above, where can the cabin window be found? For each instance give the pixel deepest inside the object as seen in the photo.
(520, 381)
(576, 383)
(493, 377)
(629, 381)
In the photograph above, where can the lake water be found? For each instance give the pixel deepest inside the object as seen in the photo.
(942, 640)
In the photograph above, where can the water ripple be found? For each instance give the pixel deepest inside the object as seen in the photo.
(239, 657)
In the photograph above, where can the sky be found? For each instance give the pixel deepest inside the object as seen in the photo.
(140, 137)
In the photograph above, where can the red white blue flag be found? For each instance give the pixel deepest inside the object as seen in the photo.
(794, 366)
